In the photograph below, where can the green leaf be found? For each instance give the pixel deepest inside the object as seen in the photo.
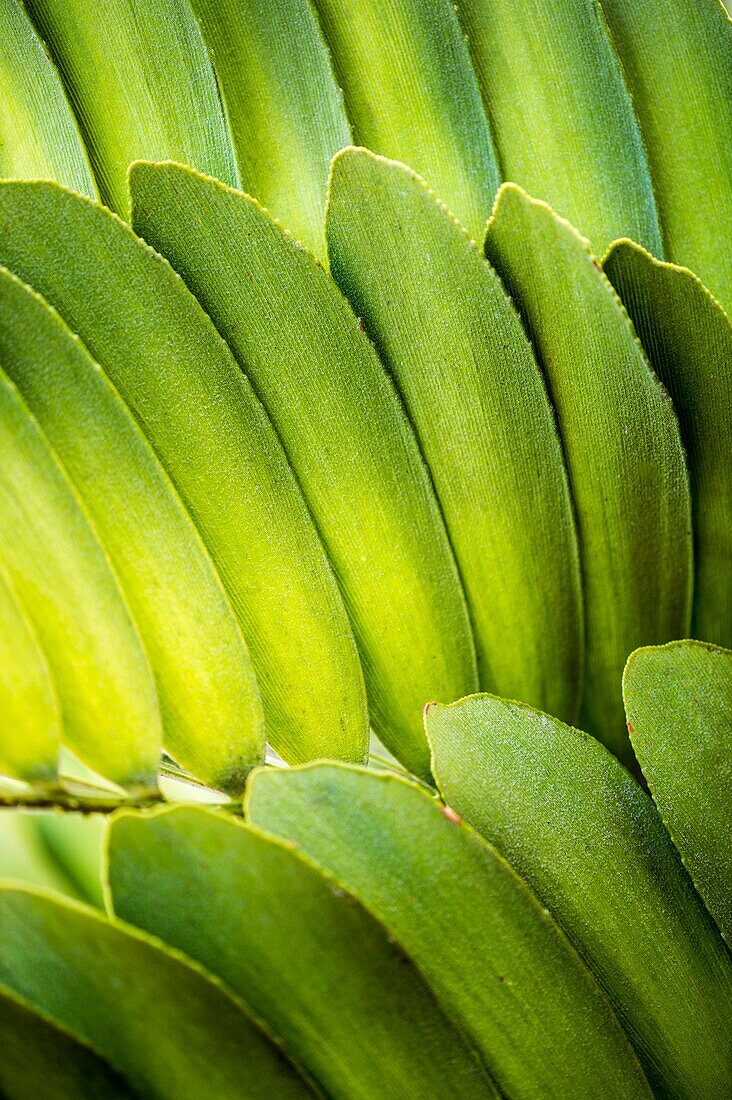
(38, 132)
(498, 963)
(25, 856)
(688, 338)
(161, 1021)
(562, 117)
(39, 1058)
(621, 440)
(212, 715)
(344, 430)
(66, 584)
(142, 85)
(284, 107)
(447, 331)
(411, 94)
(589, 842)
(216, 444)
(28, 700)
(677, 59)
(678, 699)
(74, 842)
(345, 1001)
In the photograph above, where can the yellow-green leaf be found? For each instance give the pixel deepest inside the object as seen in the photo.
(621, 439)
(39, 137)
(142, 84)
(411, 94)
(590, 843)
(212, 715)
(448, 333)
(677, 58)
(344, 430)
(688, 338)
(497, 961)
(678, 699)
(66, 585)
(284, 107)
(216, 444)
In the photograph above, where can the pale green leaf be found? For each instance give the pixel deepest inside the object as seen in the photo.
(74, 842)
(66, 585)
(411, 94)
(497, 961)
(30, 727)
(284, 107)
(589, 842)
(346, 1002)
(161, 1021)
(39, 1058)
(39, 137)
(561, 113)
(345, 433)
(688, 338)
(446, 329)
(621, 440)
(216, 444)
(212, 715)
(142, 85)
(678, 699)
(25, 856)
(677, 58)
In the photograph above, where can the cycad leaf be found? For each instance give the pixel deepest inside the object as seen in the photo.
(688, 338)
(446, 329)
(678, 699)
(344, 430)
(284, 107)
(39, 1058)
(215, 442)
(66, 585)
(142, 84)
(345, 1001)
(25, 856)
(74, 842)
(38, 132)
(166, 1026)
(411, 94)
(498, 963)
(561, 113)
(212, 715)
(589, 842)
(621, 439)
(30, 736)
(678, 62)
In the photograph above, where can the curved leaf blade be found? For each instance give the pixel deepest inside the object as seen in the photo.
(411, 95)
(142, 84)
(106, 982)
(344, 1000)
(105, 688)
(31, 738)
(212, 714)
(38, 132)
(677, 59)
(447, 332)
(284, 107)
(678, 699)
(39, 1058)
(216, 444)
(688, 339)
(621, 439)
(562, 117)
(589, 842)
(345, 433)
(496, 960)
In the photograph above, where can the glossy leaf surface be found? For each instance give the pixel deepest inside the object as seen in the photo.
(678, 699)
(216, 444)
(345, 433)
(588, 840)
(621, 440)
